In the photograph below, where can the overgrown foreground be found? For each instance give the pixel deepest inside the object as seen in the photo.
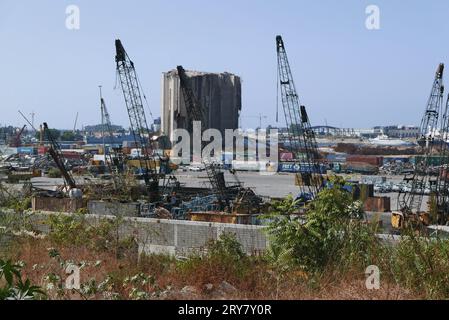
(322, 257)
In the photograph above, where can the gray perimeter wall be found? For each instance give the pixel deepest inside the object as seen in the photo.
(179, 238)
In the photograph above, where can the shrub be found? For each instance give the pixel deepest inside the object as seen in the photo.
(331, 233)
(75, 230)
(422, 265)
(14, 287)
(54, 173)
(225, 260)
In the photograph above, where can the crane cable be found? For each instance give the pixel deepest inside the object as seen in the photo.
(145, 97)
(277, 96)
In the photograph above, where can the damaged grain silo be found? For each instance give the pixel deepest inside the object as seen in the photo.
(218, 93)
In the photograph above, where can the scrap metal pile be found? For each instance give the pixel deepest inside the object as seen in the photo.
(396, 168)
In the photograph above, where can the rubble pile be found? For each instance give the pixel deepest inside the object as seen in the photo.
(396, 168)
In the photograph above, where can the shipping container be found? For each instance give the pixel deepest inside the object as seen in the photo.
(294, 167)
(26, 150)
(72, 154)
(360, 167)
(42, 150)
(286, 156)
(372, 160)
(336, 157)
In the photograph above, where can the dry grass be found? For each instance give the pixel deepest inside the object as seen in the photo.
(255, 281)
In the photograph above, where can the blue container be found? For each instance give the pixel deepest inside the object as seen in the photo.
(27, 150)
(294, 167)
(336, 157)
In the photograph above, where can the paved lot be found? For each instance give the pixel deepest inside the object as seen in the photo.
(278, 185)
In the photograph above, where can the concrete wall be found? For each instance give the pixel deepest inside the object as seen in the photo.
(104, 208)
(219, 94)
(179, 238)
(56, 204)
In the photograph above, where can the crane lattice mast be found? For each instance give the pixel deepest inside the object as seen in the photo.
(410, 202)
(139, 126)
(112, 158)
(442, 194)
(300, 134)
(58, 157)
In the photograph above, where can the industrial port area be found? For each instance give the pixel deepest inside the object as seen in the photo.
(223, 191)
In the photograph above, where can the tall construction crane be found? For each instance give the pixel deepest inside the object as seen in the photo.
(112, 158)
(58, 158)
(195, 112)
(139, 126)
(410, 202)
(442, 190)
(301, 137)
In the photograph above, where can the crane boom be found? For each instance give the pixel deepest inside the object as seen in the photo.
(58, 158)
(442, 189)
(195, 112)
(139, 126)
(112, 157)
(300, 134)
(410, 202)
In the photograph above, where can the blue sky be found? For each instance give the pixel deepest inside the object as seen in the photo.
(345, 74)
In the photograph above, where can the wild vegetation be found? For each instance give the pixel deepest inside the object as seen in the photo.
(321, 256)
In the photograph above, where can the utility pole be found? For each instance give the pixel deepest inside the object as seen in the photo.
(32, 119)
(76, 121)
(102, 123)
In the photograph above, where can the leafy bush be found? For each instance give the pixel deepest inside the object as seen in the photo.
(422, 265)
(225, 259)
(330, 233)
(75, 230)
(54, 173)
(15, 288)
(226, 247)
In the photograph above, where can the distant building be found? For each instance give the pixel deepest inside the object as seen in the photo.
(156, 126)
(219, 94)
(99, 128)
(118, 140)
(401, 131)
